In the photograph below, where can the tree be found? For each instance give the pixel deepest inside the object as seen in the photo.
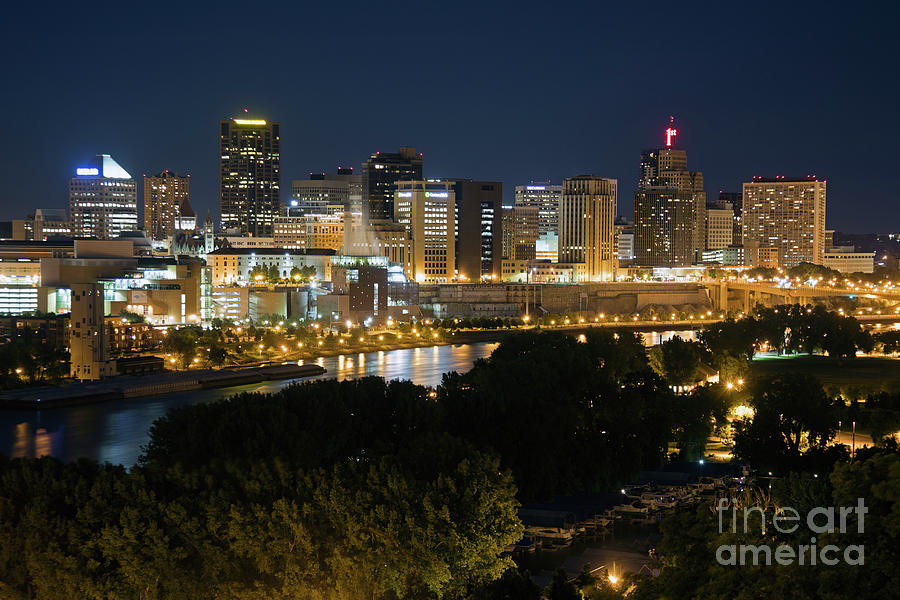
(512, 585)
(792, 415)
(258, 273)
(132, 317)
(695, 416)
(217, 355)
(182, 343)
(561, 588)
(676, 360)
(304, 273)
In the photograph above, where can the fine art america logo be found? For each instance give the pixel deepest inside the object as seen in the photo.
(788, 521)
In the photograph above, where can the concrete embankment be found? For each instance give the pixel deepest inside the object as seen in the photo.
(119, 388)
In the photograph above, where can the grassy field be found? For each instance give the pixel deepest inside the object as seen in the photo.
(867, 373)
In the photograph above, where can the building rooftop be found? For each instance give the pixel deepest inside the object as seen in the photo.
(186, 210)
(783, 179)
(275, 250)
(103, 165)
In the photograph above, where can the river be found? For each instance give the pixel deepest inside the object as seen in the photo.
(115, 432)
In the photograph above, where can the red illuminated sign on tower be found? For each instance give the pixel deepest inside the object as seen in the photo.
(671, 132)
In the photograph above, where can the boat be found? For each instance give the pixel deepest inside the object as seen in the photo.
(636, 508)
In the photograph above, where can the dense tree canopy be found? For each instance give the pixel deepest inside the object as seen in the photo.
(792, 415)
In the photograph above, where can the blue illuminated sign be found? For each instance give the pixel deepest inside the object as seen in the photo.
(87, 171)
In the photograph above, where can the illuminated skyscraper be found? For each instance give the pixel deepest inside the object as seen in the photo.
(102, 199)
(520, 232)
(479, 242)
(586, 232)
(786, 214)
(719, 226)
(164, 194)
(249, 175)
(428, 211)
(669, 208)
(545, 197)
(381, 171)
(662, 227)
(736, 200)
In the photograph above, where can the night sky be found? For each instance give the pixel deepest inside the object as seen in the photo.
(510, 92)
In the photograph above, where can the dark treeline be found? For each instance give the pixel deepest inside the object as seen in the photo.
(329, 490)
(391, 490)
(352, 489)
(562, 415)
(691, 539)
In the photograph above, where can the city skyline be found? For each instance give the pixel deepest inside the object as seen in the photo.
(505, 135)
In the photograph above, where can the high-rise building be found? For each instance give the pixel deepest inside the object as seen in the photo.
(379, 174)
(545, 197)
(312, 196)
(428, 211)
(479, 241)
(663, 233)
(719, 226)
(520, 232)
(102, 199)
(669, 208)
(787, 214)
(354, 183)
(164, 194)
(249, 175)
(586, 232)
(736, 200)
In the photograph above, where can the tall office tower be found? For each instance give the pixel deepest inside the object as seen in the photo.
(164, 194)
(312, 196)
(719, 226)
(379, 174)
(102, 199)
(354, 183)
(663, 229)
(586, 232)
(428, 211)
(787, 214)
(668, 190)
(736, 200)
(87, 333)
(249, 175)
(479, 238)
(520, 232)
(546, 198)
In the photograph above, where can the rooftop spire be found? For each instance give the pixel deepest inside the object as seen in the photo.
(185, 209)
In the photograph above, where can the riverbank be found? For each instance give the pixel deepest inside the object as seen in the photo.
(169, 382)
(136, 386)
(475, 336)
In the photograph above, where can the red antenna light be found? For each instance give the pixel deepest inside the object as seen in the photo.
(246, 111)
